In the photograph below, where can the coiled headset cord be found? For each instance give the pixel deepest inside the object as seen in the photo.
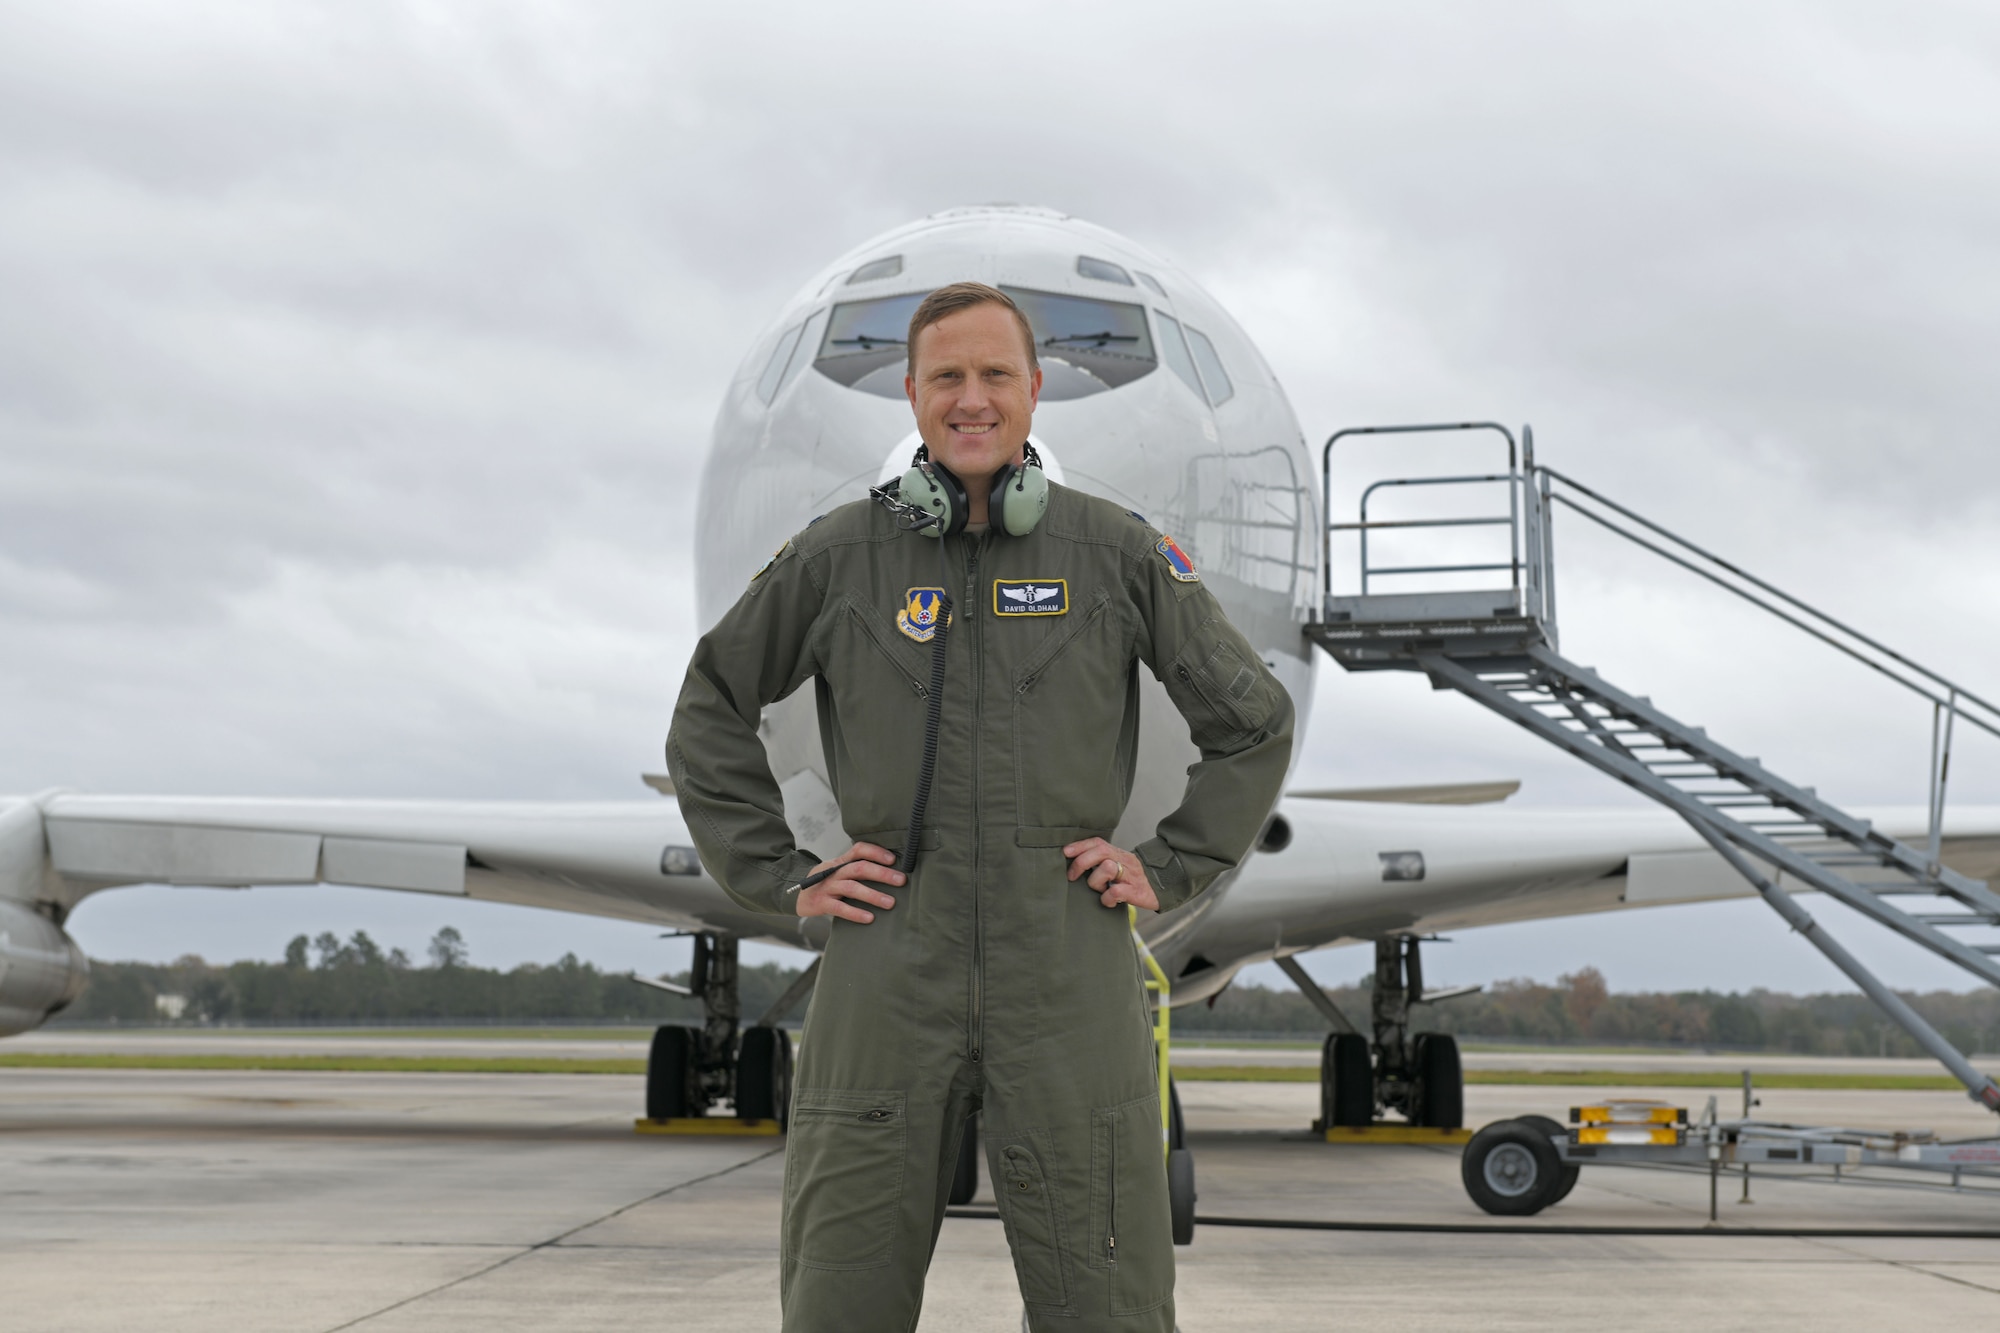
(927, 769)
(933, 723)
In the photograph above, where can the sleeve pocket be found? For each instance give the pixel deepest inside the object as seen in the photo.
(1220, 686)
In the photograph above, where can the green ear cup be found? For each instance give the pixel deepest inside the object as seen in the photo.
(1023, 498)
(935, 489)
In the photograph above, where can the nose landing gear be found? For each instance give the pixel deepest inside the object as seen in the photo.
(690, 1071)
(1417, 1075)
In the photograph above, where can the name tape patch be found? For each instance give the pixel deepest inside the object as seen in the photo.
(1030, 597)
(919, 617)
(1177, 560)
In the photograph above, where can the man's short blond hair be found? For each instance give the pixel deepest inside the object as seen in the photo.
(963, 296)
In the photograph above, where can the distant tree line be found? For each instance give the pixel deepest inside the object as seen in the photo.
(1580, 1008)
(330, 980)
(325, 979)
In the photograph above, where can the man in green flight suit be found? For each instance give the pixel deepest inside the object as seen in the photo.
(985, 979)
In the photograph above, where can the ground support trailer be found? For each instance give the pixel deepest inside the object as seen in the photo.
(1516, 1168)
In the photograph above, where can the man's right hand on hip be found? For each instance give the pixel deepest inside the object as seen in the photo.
(842, 893)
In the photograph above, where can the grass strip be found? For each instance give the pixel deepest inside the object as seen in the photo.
(1599, 1078)
(357, 1064)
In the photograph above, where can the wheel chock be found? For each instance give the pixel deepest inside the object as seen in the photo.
(709, 1125)
(1394, 1131)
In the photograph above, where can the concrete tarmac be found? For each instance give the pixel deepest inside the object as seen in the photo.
(171, 1200)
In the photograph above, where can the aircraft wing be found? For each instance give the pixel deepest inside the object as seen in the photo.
(1357, 868)
(631, 860)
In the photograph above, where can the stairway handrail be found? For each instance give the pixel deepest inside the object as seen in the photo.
(1955, 696)
(1512, 476)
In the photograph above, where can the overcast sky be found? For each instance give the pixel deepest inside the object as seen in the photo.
(357, 361)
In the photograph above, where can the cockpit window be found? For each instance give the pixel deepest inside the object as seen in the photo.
(1174, 351)
(1103, 270)
(781, 356)
(1220, 390)
(1086, 345)
(863, 346)
(1152, 282)
(877, 268)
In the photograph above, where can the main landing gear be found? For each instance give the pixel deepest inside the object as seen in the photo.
(1392, 1069)
(689, 1071)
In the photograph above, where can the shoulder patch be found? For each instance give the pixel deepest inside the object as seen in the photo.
(1177, 560)
(918, 619)
(816, 518)
(765, 568)
(1136, 514)
(1030, 597)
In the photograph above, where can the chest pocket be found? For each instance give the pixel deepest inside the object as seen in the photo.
(1076, 723)
(878, 682)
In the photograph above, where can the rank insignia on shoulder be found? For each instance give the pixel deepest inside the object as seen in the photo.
(1030, 597)
(922, 609)
(1177, 560)
(765, 568)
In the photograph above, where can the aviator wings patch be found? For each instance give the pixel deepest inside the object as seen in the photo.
(1030, 597)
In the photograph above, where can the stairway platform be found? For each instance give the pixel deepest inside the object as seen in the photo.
(1385, 631)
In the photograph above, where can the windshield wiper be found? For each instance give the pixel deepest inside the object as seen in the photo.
(1099, 338)
(866, 340)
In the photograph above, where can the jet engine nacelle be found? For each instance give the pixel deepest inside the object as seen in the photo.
(41, 969)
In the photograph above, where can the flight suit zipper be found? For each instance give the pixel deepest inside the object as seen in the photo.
(973, 619)
(1111, 1196)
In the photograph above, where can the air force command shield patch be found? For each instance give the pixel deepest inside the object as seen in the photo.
(922, 609)
(1177, 560)
(1030, 597)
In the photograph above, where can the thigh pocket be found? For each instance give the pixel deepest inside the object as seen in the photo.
(1030, 1204)
(1131, 1224)
(844, 1161)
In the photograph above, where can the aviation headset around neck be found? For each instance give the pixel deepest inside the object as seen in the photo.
(1019, 498)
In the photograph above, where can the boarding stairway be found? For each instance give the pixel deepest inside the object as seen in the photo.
(1499, 646)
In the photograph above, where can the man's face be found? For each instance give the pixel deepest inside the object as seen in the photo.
(974, 392)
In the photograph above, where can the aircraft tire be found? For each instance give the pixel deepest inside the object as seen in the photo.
(965, 1177)
(1180, 1193)
(669, 1073)
(1440, 1081)
(1346, 1084)
(1180, 1169)
(1510, 1169)
(764, 1075)
(1556, 1131)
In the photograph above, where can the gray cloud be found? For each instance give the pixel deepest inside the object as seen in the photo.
(358, 359)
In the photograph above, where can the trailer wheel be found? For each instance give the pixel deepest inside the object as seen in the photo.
(1570, 1172)
(1511, 1169)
